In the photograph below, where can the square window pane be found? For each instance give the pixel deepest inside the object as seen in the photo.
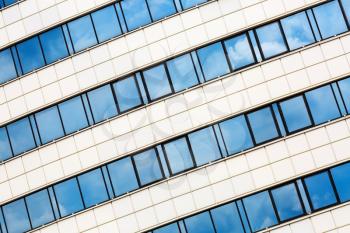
(5, 148)
(161, 8)
(39, 208)
(157, 82)
(106, 23)
(260, 211)
(182, 72)
(213, 61)
(102, 103)
(54, 45)
(7, 67)
(190, 3)
(200, 223)
(21, 136)
(204, 146)
(82, 33)
(344, 86)
(239, 51)
(136, 13)
(341, 177)
(322, 104)
(16, 217)
(171, 228)
(147, 166)
(271, 40)
(30, 55)
(320, 190)
(128, 94)
(263, 125)
(226, 219)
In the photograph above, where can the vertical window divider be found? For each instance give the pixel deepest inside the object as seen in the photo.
(122, 13)
(27, 212)
(280, 121)
(342, 98)
(168, 78)
(14, 62)
(167, 160)
(240, 217)
(105, 181)
(243, 209)
(191, 151)
(308, 110)
(333, 186)
(19, 60)
(344, 14)
(258, 44)
(310, 24)
(299, 196)
(274, 207)
(145, 86)
(3, 224)
(51, 204)
(136, 171)
(142, 87)
(283, 35)
(250, 129)
(10, 143)
(338, 99)
(251, 47)
(197, 66)
(159, 163)
(60, 116)
(116, 13)
(35, 130)
(316, 23)
(42, 50)
(307, 194)
(149, 11)
(220, 139)
(80, 192)
(53, 199)
(212, 221)
(164, 167)
(115, 98)
(67, 39)
(93, 26)
(70, 38)
(110, 180)
(195, 69)
(226, 56)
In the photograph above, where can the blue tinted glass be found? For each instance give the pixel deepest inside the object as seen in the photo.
(330, 19)
(161, 8)
(148, 167)
(21, 136)
(171, 228)
(39, 208)
(260, 211)
(9, 2)
(200, 223)
(213, 61)
(341, 177)
(16, 217)
(236, 134)
(322, 104)
(344, 86)
(106, 23)
(297, 30)
(190, 3)
(239, 51)
(30, 55)
(182, 72)
(263, 125)
(82, 33)
(102, 103)
(118, 171)
(287, 209)
(7, 67)
(179, 155)
(49, 124)
(136, 13)
(320, 190)
(128, 95)
(73, 115)
(68, 197)
(54, 45)
(5, 148)
(204, 146)
(226, 219)
(271, 40)
(295, 113)
(157, 82)
(346, 6)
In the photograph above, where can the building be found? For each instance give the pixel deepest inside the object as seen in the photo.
(174, 116)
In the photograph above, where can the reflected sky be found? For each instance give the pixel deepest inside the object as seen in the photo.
(127, 93)
(135, 13)
(161, 8)
(54, 45)
(190, 3)
(226, 219)
(7, 67)
(344, 86)
(200, 223)
(16, 217)
(5, 149)
(39, 208)
(21, 136)
(82, 33)
(341, 177)
(239, 51)
(157, 82)
(30, 55)
(171, 228)
(148, 167)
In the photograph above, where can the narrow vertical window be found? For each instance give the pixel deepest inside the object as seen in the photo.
(39, 208)
(7, 67)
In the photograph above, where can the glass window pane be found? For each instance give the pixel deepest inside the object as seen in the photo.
(68, 197)
(82, 33)
(118, 171)
(171, 228)
(54, 45)
(9, 2)
(30, 55)
(16, 217)
(226, 219)
(93, 188)
(136, 13)
(147, 166)
(236, 134)
(7, 68)
(157, 82)
(179, 155)
(127, 92)
(213, 61)
(200, 223)
(344, 86)
(182, 72)
(271, 40)
(5, 148)
(295, 113)
(49, 124)
(263, 125)
(73, 115)
(346, 6)
(102, 103)
(320, 190)
(204, 146)
(21, 136)
(106, 23)
(39, 208)
(190, 3)
(239, 51)
(161, 8)
(341, 177)
(322, 104)
(260, 211)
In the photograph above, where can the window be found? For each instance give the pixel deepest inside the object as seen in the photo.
(30, 55)
(239, 51)
(297, 30)
(236, 134)
(171, 228)
(346, 6)
(5, 148)
(161, 8)
(82, 33)
(102, 103)
(178, 155)
(21, 136)
(322, 104)
(320, 190)
(260, 211)
(54, 45)
(148, 167)
(295, 113)
(190, 3)
(226, 219)
(49, 124)
(16, 217)
(106, 23)
(136, 13)
(128, 94)
(344, 86)
(204, 146)
(157, 82)
(7, 68)
(200, 223)
(213, 61)
(182, 72)
(341, 177)
(271, 40)
(263, 125)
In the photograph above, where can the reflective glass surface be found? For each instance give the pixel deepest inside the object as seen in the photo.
(190, 3)
(161, 8)
(106, 23)
(54, 45)
(7, 67)
(82, 33)
(171, 228)
(16, 217)
(39, 208)
(200, 223)
(344, 86)
(239, 51)
(136, 13)
(30, 55)
(226, 219)
(341, 177)
(147, 166)
(157, 82)
(346, 6)
(127, 93)
(5, 148)
(21, 136)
